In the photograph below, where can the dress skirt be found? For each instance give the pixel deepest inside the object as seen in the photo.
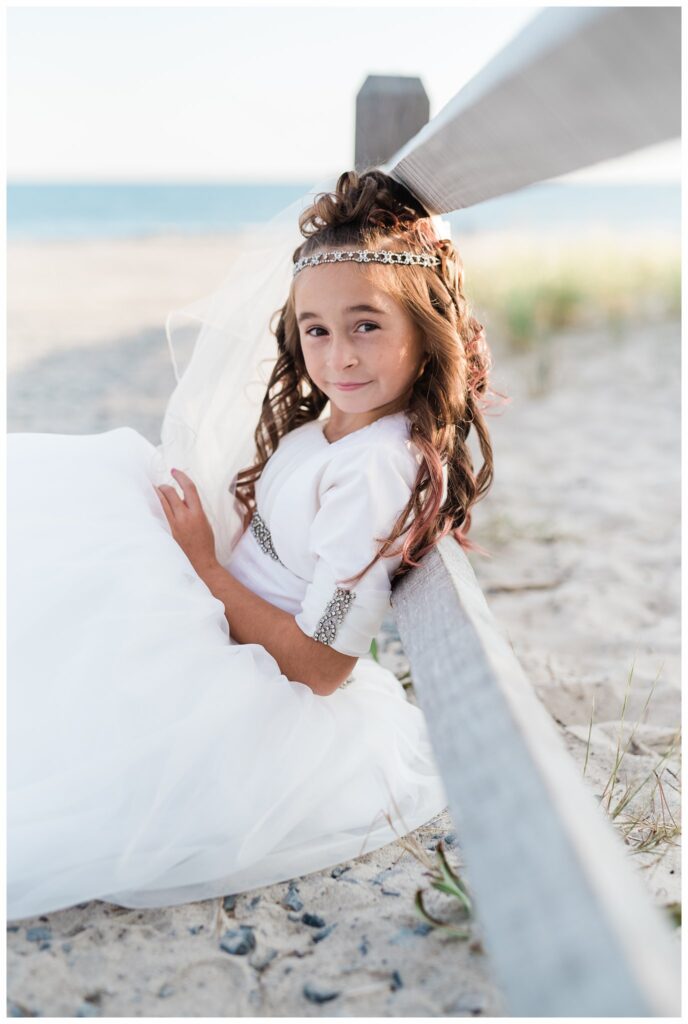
(152, 760)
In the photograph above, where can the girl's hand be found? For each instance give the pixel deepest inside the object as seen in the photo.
(188, 522)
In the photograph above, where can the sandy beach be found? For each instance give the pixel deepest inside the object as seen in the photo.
(583, 528)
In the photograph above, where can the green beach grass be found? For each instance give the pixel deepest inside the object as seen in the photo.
(526, 288)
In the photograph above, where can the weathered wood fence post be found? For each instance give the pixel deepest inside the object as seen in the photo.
(390, 109)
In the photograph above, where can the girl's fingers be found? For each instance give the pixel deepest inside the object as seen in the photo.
(171, 497)
(187, 485)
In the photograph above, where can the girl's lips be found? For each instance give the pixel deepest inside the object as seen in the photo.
(351, 387)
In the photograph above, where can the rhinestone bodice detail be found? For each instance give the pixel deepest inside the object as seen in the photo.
(260, 531)
(336, 608)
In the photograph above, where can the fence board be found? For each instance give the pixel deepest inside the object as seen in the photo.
(570, 928)
(578, 85)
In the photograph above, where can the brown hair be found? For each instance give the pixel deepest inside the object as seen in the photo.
(371, 210)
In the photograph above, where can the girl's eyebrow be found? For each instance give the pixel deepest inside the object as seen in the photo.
(363, 308)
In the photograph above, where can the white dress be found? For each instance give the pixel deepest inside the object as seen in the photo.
(153, 760)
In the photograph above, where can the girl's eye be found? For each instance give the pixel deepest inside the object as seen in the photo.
(366, 324)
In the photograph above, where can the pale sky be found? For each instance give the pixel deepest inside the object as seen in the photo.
(235, 93)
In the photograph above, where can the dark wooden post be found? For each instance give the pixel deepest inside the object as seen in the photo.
(390, 110)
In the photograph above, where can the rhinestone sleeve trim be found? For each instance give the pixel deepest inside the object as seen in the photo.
(333, 616)
(262, 534)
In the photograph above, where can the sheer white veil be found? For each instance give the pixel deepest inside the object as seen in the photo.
(211, 416)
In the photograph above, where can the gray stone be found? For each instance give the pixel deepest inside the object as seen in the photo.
(318, 995)
(292, 900)
(313, 920)
(238, 941)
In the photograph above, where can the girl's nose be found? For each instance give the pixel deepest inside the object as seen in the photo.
(342, 354)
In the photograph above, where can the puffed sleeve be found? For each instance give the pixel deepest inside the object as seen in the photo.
(362, 493)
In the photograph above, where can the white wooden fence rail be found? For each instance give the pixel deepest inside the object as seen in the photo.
(570, 929)
(578, 85)
(569, 926)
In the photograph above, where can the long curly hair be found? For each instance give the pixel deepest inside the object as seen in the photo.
(370, 210)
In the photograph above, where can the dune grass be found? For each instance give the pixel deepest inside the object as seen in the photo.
(650, 827)
(527, 288)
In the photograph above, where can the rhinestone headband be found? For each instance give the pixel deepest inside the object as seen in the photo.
(366, 256)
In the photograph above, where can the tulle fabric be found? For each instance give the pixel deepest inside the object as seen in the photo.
(151, 759)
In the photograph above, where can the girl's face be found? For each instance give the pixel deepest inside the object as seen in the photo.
(353, 332)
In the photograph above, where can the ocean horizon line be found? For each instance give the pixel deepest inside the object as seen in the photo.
(71, 210)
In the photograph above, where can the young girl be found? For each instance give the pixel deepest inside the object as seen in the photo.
(182, 727)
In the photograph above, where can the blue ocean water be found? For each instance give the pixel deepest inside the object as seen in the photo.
(558, 206)
(54, 211)
(44, 211)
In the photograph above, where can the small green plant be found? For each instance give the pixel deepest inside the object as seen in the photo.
(444, 879)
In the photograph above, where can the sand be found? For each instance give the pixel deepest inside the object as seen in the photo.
(583, 527)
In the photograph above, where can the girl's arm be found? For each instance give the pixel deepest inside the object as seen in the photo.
(253, 620)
